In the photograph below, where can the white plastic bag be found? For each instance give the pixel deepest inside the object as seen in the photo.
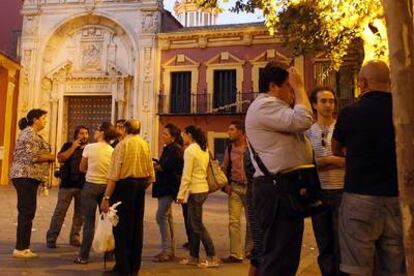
(103, 240)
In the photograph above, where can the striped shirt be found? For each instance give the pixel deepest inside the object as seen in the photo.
(330, 178)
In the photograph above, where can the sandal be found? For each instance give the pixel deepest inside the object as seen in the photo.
(162, 258)
(79, 260)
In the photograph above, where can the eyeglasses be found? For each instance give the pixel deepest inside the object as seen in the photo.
(324, 136)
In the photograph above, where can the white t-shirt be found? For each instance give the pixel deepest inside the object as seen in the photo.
(99, 158)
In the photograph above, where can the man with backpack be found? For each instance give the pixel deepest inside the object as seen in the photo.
(233, 165)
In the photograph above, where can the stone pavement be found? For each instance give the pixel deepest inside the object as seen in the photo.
(60, 261)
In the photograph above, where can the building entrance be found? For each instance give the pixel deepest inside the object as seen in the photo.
(89, 111)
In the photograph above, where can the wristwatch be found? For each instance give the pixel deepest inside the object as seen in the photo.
(106, 197)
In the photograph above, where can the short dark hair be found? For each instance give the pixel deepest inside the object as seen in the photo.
(239, 125)
(120, 121)
(313, 98)
(109, 131)
(273, 72)
(77, 130)
(30, 117)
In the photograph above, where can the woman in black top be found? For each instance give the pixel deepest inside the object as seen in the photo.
(168, 176)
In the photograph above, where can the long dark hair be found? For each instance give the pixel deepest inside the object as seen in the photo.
(109, 131)
(175, 132)
(198, 136)
(30, 117)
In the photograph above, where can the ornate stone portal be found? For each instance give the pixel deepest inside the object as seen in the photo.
(89, 48)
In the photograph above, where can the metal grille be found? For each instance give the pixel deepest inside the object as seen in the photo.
(89, 111)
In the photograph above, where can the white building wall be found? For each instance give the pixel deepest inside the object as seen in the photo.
(89, 47)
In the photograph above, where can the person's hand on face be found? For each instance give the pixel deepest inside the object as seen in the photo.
(295, 79)
(76, 144)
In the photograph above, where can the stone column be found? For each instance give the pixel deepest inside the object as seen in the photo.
(145, 105)
(29, 44)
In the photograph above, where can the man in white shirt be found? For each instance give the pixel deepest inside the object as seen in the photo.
(331, 174)
(275, 126)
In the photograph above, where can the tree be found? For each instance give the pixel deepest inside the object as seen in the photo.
(333, 25)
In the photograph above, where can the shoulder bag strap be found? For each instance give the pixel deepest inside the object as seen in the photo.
(259, 161)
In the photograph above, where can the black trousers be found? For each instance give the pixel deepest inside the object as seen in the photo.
(281, 232)
(128, 233)
(26, 189)
(325, 228)
(255, 229)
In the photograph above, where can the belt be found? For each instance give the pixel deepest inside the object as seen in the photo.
(291, 181)
(298, 168)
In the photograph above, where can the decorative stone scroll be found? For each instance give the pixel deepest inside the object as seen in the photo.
(150, 22)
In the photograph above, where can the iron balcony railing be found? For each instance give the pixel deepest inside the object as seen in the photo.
(203, 103)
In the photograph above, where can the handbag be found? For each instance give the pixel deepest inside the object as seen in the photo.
(216, 178)
(306, 198)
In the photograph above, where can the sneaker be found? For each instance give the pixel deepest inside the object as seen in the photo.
(26, 253)
(231, 260)
(79, 260)
(189, 261)
(210, 262)
(163, 257)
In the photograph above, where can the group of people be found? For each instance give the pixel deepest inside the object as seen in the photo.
(117, 167)
(290, 147)
(341, 171)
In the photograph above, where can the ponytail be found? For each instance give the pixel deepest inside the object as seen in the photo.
(198, 136)
(30, 117)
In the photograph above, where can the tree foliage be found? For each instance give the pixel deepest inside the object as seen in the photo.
(312, 26)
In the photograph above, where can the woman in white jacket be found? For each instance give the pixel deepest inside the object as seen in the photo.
(194, 191)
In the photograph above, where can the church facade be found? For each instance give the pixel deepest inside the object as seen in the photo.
(88, 61)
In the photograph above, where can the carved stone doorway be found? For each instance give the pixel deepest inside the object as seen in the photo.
(89, 111)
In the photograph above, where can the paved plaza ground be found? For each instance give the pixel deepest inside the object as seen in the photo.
(60, 261)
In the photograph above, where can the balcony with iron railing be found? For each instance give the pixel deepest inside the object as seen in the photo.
(203, 103)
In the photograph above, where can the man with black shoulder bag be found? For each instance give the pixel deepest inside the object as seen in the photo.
(233, 165)
(286, 186)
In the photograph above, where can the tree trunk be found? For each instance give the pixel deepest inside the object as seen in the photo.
(400, 29)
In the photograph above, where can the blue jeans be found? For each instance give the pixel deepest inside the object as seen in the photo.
(65, 196)
(325, 228)
(371, 236)
(166, 224)
(91, 197)
(198, 231)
